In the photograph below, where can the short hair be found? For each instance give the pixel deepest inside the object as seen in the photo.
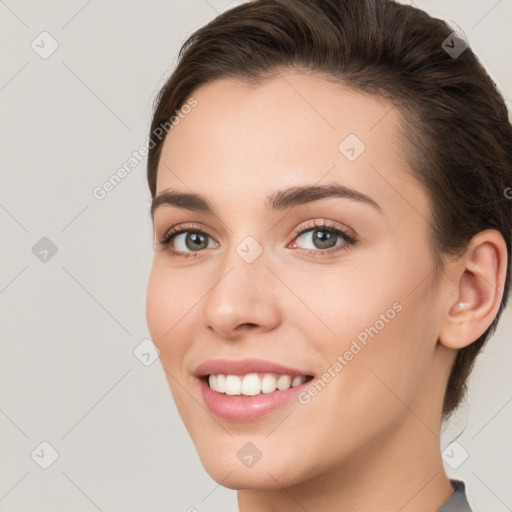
(454, 124)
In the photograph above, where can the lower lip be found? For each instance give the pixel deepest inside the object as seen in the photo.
(247, 408)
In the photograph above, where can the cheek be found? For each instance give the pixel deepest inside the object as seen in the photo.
(166, 319)
(164, 309)
(368, 398)
(382, 325)
(155, 298)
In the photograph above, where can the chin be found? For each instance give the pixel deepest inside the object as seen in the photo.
(239, 464)
(261, 476)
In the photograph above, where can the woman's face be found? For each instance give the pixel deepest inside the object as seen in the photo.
(264, 281)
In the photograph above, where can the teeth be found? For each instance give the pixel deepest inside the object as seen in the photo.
(253, 384)
(268, 384)
(297, 381)
(233, 385)
(284, 382)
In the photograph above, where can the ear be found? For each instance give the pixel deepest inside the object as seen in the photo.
(478, 281)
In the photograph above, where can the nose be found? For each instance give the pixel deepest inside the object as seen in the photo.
(242, 299)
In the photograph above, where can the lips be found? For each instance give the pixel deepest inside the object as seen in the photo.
(244, 366)
(239, 407)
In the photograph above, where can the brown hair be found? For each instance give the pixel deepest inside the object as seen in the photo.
(455, 123)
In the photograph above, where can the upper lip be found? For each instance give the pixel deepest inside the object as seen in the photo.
(244, 366)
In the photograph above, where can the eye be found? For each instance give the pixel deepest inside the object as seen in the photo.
(323, 238)
(186, 241)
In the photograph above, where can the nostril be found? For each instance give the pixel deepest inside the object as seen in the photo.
(247, 325)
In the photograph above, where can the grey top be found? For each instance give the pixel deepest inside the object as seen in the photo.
(458, 501)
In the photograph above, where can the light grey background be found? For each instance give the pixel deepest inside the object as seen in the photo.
(69, 326)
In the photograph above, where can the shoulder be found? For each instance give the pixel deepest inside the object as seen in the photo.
(458, 501)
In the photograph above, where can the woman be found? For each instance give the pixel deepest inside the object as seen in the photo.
(332, 235)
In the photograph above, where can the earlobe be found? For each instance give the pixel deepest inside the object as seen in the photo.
(479, 277)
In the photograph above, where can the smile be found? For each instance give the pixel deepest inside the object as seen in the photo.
(253, 384)
(248, 389)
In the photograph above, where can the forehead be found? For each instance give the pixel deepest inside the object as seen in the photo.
(241, 141)
(304, 110)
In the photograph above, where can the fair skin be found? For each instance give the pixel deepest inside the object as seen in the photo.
(370, 439)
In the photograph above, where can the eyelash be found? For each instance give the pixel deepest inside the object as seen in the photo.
(350, 240)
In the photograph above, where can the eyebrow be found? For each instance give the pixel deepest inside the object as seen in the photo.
(277, 201)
